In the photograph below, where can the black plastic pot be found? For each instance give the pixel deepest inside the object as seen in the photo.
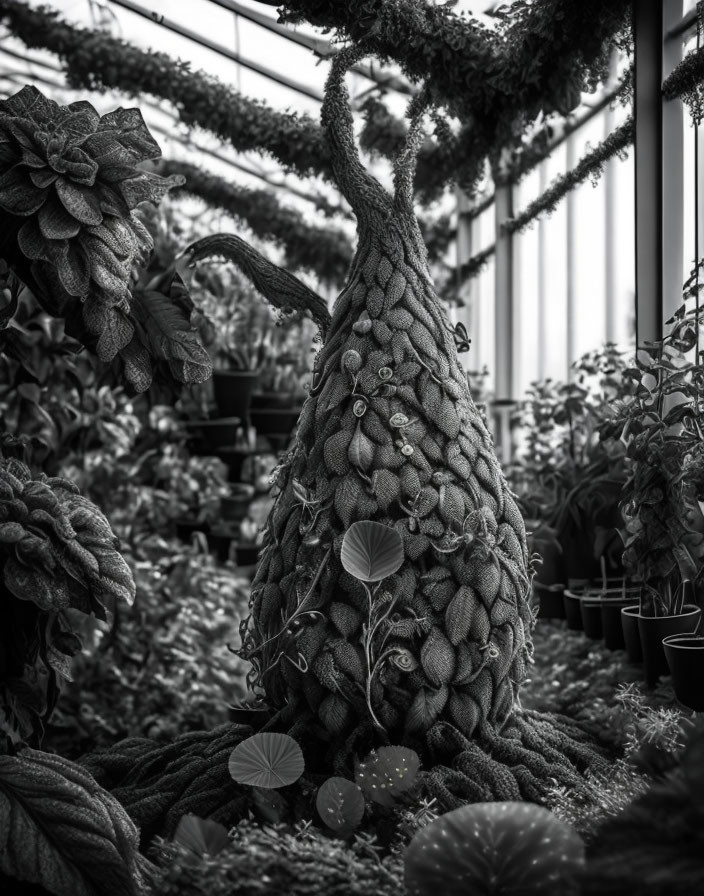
(611, 623)
(234, 507)
(220, 539)
(653, 629)
(550, 602)
(631, 635)
(274, 421)
(247, 553)
(282, 400)
(232, 390)
(573, 612)
(590, 608)
(685, 659)
(187, 526)
(210, 436)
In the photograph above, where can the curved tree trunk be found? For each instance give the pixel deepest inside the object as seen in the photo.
(390, 433)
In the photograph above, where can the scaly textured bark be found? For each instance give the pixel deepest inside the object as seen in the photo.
(390, 433)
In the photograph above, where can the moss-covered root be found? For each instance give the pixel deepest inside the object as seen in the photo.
(524, 761)
(158, 783)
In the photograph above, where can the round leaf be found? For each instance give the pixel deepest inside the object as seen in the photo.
(267, 760)
(340, 804)
(494, 848)
(371, 551)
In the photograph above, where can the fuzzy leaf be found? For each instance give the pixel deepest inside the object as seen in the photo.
(437, 657)
(426, 707)
(361, 451)
(60, 830)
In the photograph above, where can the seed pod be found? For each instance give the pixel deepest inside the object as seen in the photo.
(351, 361)
(362, 327)
(407, 450)
(385, 373)
(398, 420)
(360, 408)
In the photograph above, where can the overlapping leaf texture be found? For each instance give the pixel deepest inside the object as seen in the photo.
(60, 830)
(164, 338)
(68, 185)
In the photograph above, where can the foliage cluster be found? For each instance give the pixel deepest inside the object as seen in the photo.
(327, 251)
(57, 554)
(69, 184)
(162, 668)
(660, 423)
(567, 479)
(531, 58)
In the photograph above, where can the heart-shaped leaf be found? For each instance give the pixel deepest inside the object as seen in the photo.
(371, 551)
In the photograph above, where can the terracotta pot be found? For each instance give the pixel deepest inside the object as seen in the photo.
(232, 390)
(631, 635)
(653, 629)
(573, 612)
(210, 436)
(685, 659)
(550, 600)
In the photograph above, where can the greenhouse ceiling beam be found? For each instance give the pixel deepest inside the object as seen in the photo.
(322, 48)
(17, 77)
(221, 50)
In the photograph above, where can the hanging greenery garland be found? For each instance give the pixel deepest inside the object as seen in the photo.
(532, 62)
(327, 252)
(94, 60)
(589, 166)
(537, 57)
(686, 81)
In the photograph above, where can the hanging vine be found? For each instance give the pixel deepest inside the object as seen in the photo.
(540, 58)
(589, 166)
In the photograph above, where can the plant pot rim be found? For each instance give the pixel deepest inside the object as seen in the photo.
(693, 610)
(218, 421)
(670, 641)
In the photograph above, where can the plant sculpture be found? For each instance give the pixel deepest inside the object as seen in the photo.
(389, 434)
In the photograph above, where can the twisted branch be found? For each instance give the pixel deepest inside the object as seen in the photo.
(278, 286)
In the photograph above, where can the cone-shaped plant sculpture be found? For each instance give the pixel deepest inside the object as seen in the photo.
(433, 655)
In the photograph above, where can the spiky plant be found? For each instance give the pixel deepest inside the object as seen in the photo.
(390, 433)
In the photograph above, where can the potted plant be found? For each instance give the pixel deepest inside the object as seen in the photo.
(660, 425)
(568, 481)
(195, 486)
(237, 327)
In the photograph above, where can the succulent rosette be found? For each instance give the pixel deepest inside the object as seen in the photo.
(57, 553)
(69, 183)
